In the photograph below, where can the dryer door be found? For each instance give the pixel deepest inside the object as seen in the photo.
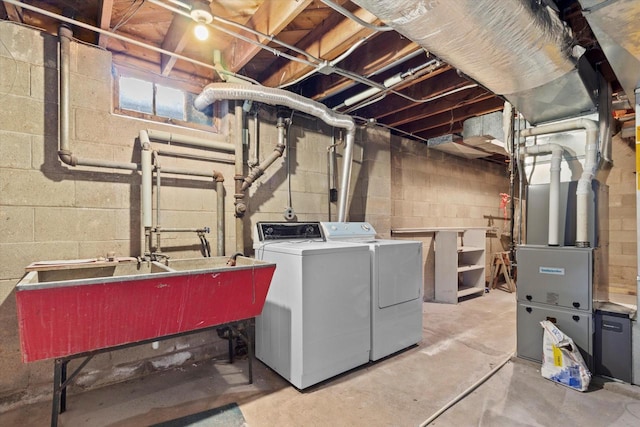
(398, 268)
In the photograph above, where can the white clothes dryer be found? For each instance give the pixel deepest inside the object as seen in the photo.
(396, 286)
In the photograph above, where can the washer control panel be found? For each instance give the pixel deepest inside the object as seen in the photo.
(346, 230)
(289, 230)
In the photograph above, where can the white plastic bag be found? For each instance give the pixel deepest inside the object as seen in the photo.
(561, 359)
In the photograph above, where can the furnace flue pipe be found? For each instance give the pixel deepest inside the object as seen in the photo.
(588, 170)
(554, 187)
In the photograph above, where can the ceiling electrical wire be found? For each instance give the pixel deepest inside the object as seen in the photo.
(128, 14)
(354, 18)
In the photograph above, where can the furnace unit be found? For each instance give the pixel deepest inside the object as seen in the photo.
(562, 268)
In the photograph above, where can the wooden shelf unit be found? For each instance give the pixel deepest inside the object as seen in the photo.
(459, 263)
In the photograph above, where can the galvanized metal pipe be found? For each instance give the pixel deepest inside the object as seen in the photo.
(258, 171)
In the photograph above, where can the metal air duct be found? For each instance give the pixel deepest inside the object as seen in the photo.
(515, 48)
(616, 25)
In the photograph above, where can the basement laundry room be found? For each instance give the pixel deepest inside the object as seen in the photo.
(319, 213)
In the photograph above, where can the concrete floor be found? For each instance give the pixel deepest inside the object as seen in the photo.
(461, 344)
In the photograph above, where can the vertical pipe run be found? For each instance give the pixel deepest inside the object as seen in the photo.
(158, 187)
(220, 212)
(240, 206)
(554, 198)
(343, 207)
(65, 34)
(147, 179)
(554, 187)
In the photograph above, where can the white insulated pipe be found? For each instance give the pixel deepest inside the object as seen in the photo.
(65, 35)
(147, 180)
(210, 143)
(588, 170)
(554, 187)
(273, 96)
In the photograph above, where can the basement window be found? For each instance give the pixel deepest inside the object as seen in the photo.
(160, 102)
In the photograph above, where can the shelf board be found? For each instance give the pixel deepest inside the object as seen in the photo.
(469, 249)
(469, 290)
(463, 268)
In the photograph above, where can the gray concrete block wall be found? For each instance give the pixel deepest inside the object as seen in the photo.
(622, 219)
(51, 211)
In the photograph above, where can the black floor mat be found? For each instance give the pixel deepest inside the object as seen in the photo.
(224, 416)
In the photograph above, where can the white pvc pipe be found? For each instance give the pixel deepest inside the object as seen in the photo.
(588, 170)
(554, 187)
(273, 96)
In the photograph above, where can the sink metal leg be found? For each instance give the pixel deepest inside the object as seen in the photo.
(63, 386)
(59, 392)
(249, 334)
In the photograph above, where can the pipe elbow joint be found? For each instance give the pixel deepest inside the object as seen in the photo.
(67, 157)
(217, 176)
(64, 30)
(241, 209)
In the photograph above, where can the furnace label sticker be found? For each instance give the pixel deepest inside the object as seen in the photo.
(552, 270)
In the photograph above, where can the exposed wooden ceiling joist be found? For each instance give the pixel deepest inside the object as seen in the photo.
(454, 115)
(174, 41)
(13, 13)
(104, 20)
(271, 18)
(421, 111)
(326, 41)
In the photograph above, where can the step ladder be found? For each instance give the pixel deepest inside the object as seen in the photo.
(500, 266)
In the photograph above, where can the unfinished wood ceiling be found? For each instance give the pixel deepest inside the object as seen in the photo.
(306, 46)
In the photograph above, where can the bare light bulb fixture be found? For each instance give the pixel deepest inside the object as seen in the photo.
(201, 32)
(201, 13)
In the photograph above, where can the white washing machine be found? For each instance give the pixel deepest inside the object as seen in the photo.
(396, 286)
(316, 319)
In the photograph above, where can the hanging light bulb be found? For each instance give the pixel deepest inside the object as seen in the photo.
(201, 13)
(201, 32)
